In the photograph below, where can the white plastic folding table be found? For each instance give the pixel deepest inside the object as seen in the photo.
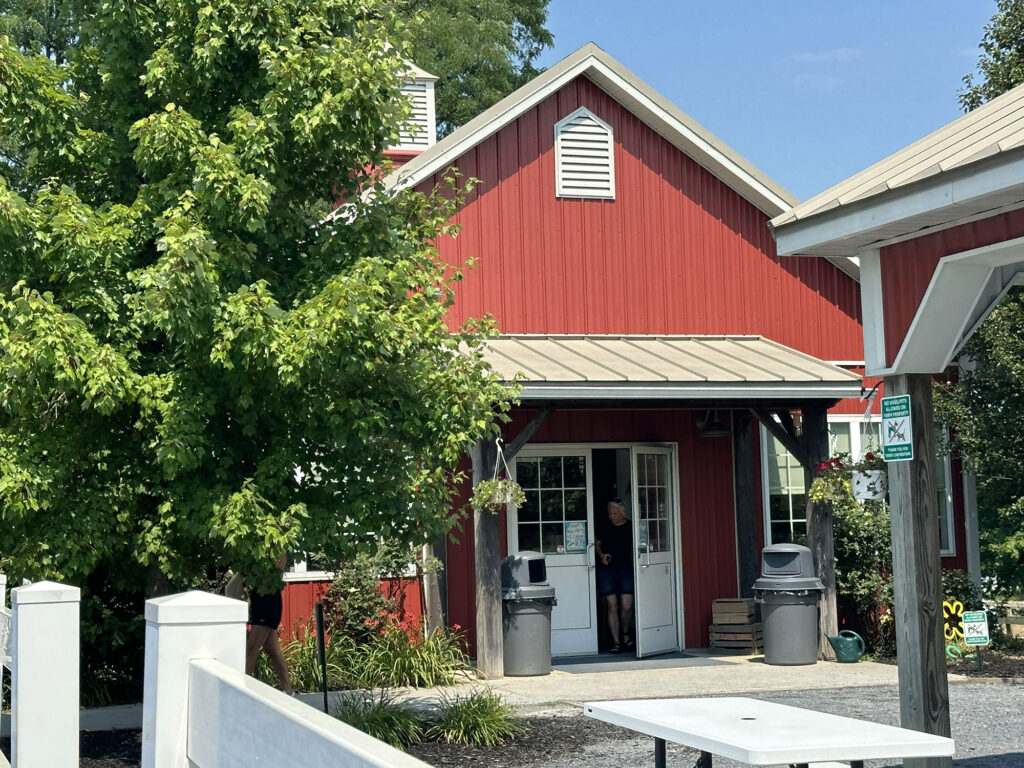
(764, 733)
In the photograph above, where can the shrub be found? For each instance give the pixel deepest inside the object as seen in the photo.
(355, 596)
(380, 716)
(304, 666)
(398, 654)
(481, 719)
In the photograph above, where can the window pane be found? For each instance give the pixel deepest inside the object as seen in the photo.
(551, 472)
(575, 471)
(526, 472)
(552, 537)
(576, 504)
(839, 439)
(529, 510)
(870, 437)
(529, 537)
(551, 505)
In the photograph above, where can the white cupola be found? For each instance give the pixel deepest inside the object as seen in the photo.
(420, 132)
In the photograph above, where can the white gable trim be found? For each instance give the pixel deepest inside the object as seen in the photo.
(584, 156)
(964, 288)
(633, 94)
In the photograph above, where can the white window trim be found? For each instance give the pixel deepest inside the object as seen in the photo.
(856, 450)
(597, 194)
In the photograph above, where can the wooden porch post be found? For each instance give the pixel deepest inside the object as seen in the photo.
(820, 527)
(917, 579)
(747, 495)
(487, 572)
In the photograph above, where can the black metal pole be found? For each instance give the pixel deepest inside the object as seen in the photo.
(321, 648)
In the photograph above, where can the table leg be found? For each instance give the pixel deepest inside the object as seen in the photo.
(659, 753)
(856, 764)
(704, 761)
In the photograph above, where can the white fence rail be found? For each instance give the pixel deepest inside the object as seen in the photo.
(201, 710)
(41, 650)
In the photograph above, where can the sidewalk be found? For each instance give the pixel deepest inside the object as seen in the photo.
(701, 673)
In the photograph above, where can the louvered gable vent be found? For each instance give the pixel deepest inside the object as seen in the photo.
(420, 130)
(584, 156)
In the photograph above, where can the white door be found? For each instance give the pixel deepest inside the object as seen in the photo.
(556, 519)
(654, 521)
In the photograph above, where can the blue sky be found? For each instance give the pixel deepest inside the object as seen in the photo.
(809, 92)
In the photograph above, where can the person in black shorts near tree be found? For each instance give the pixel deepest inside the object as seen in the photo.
(264, 619)
(615, 574)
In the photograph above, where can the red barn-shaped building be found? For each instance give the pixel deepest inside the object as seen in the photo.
(666, 352)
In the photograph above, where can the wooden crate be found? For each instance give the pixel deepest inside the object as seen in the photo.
(735, 610)
(748, 637)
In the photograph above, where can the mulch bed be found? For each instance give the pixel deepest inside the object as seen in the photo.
(996, 664)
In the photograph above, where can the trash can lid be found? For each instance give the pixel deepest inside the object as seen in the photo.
(788, 584)
(527, 592)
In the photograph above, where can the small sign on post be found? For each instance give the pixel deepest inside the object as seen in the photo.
(975, 628)
(897, 431)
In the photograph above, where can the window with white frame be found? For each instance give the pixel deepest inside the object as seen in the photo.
(783, 481)
(584, 156)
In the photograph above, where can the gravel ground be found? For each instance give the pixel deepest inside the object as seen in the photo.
(988, 725)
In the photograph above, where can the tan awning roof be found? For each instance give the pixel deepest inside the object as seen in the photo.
(968, 167)
(596, 367)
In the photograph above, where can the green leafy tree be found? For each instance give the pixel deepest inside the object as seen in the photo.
(198, 370)
(1001, 63)
(480, 51)
(986, 410)
(983, 407)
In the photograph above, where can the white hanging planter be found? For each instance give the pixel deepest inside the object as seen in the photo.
(870, 484)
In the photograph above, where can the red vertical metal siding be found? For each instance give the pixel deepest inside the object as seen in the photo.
(299, 597)
(677, 251)
(707, 508)
(907, 268)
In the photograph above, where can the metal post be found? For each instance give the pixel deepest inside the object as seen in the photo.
(321, 647)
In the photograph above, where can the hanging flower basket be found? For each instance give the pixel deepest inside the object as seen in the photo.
(493, 495)
(869, 483)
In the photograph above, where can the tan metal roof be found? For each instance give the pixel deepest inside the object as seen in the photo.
(977, 140)
(664, 367)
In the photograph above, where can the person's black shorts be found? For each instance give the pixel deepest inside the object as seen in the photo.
(265, 610)
(614, 582)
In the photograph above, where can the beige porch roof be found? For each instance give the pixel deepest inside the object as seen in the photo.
(620, 367)
(972, 166)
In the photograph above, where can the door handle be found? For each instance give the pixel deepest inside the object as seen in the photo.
(590, 556)
(643, 549)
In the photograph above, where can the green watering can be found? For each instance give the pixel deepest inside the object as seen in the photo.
(848, 645)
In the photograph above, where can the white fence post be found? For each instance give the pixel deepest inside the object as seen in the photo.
(192, 625)
(44, 680)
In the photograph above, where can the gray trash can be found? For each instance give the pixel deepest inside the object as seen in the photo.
(788, 592)
(526, 601)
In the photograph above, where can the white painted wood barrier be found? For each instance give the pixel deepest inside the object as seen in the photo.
(44, 650)
(200, 709)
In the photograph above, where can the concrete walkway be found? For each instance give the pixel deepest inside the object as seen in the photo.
(706, 675)
(702, 674)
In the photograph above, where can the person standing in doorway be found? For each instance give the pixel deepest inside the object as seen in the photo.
(615, 575)
(264, 619)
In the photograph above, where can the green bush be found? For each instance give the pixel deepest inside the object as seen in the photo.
(355, 596)
(480, 719)
(304, 666)
(863, 556)
(380, 716)
(398, 654)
